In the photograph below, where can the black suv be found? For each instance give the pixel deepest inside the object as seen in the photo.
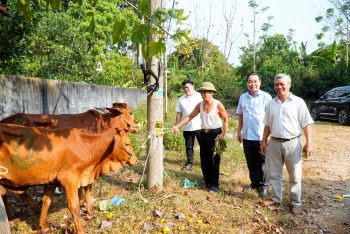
(335, 105)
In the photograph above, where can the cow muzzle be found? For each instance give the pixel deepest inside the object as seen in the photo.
(132, 160)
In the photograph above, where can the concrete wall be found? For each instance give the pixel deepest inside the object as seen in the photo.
(40, 96)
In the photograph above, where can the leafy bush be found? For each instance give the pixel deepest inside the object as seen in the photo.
(173, 142)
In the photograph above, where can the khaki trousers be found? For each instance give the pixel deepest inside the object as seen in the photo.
(285, 153)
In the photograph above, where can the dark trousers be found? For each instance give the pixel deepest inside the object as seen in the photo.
(189, 143)
(257, 164)
(210, 164)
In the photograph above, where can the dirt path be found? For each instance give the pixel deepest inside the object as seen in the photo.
(326, 177)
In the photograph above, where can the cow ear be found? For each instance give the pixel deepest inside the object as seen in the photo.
(115, 110)
(122, 105)
(116, 139)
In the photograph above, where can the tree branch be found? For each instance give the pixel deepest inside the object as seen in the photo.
(149, 19)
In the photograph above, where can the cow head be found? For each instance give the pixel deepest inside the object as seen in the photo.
(126, 118)
(121, 154)
(122, 105)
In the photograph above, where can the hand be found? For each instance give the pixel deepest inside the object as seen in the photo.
(239, 137)
(175, 130)
(307, 149)
(219, 137)
(263, 148)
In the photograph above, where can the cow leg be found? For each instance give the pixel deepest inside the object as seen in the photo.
(87, 190)
(30, 201)
(49, 192)
(81, 196)
(74, 207)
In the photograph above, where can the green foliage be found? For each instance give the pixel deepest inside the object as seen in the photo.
(37, 50)
(219, 147)
(125, 26)
(173, 142)
(152, 28)
(181, 37)
(202, 61)
(232, 124)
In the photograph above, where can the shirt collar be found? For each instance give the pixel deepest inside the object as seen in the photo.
(256, 95)
(291, 96)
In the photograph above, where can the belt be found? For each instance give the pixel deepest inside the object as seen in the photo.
(211, 130)
(284, 139)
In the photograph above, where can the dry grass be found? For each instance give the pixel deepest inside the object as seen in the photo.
(228, 211)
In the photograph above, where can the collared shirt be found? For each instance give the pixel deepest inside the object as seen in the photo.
(185, 105)
(287, 119)
(253, 110)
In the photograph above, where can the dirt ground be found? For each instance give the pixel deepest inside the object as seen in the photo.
(326, 178)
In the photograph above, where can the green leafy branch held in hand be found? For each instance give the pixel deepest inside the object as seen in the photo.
(219, 147)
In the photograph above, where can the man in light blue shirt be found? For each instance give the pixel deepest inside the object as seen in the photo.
(251, 111)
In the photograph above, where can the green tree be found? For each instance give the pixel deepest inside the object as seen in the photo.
(203, 64)
(255, 21)
(73, 53)
(275, 55)
(337, 19)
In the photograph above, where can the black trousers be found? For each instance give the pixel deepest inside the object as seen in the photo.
(210, 163)
(189, 143)
(257, 164)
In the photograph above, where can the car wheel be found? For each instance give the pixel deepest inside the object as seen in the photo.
(314, 113)
(343, 117)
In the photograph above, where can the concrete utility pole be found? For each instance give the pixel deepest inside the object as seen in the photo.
(4, 224)
(155, 116)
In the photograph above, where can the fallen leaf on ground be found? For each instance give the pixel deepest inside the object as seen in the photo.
(158, 213)
(272, 208)
(105, 224)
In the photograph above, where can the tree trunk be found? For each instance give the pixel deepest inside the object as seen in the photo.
(4, 223)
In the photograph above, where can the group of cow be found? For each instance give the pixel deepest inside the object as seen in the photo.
(68, 150)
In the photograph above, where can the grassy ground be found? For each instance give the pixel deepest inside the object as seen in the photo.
(176, 209)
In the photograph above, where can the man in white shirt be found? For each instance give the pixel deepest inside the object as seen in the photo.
(185, 105)
(287, 116)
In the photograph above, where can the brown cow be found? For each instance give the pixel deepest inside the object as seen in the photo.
(68, 157)
(94, 120)
(90, 120)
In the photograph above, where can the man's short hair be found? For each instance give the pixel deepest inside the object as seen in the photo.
(187, 80)
(251, 74)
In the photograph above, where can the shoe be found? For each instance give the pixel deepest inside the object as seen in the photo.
(203, 186)
(249, 188)
(187, 167)
(296, 210)
(263, 192)
(214, 189)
